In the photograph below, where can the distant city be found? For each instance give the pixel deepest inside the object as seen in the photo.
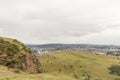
(40, 50)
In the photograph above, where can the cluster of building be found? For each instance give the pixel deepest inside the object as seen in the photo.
(108, 50)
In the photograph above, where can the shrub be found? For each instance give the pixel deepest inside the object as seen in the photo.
(60, 70)
(71, 66)
(76, 76)
(11, 49)
(14, 40)
(115, 69)
(16, 71)
(2, 48)
(1, 40)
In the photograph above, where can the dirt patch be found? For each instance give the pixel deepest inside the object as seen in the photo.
(5, 73)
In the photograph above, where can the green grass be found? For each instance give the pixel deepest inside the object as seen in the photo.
(20, 45)
(68, 66)
(13, 41)
(6, 74)
(82, 66)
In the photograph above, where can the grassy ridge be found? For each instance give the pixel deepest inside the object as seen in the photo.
(20, 45)
(68, 66)
(15, 54)
(6, 74)
(82, 66)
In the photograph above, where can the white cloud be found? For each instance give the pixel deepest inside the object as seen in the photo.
(61, 21)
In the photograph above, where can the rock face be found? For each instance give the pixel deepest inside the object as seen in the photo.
(33, 64)
(15, 54)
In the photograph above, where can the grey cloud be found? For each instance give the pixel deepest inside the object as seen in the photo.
(46, 21)
(61, 22)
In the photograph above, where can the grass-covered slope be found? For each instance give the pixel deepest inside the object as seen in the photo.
(15, 42)
(15, 54)
(11, 74)
(80, 66)
(68, 66)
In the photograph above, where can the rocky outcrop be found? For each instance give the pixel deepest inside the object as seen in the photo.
(15, 54)
(32, 63)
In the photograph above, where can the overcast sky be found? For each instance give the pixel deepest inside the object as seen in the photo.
(61, 21)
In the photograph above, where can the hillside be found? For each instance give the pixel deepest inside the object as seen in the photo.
(57, 66)
(80, 66)
(16, 55)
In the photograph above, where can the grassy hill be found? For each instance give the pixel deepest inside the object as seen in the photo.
(67, 66)
(11, 74)
(19, 44)
(14, 54)
(79, 66)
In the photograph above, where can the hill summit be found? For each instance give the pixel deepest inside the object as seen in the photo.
(15, 54)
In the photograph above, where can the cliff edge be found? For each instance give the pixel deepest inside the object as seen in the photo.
(15, 54)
